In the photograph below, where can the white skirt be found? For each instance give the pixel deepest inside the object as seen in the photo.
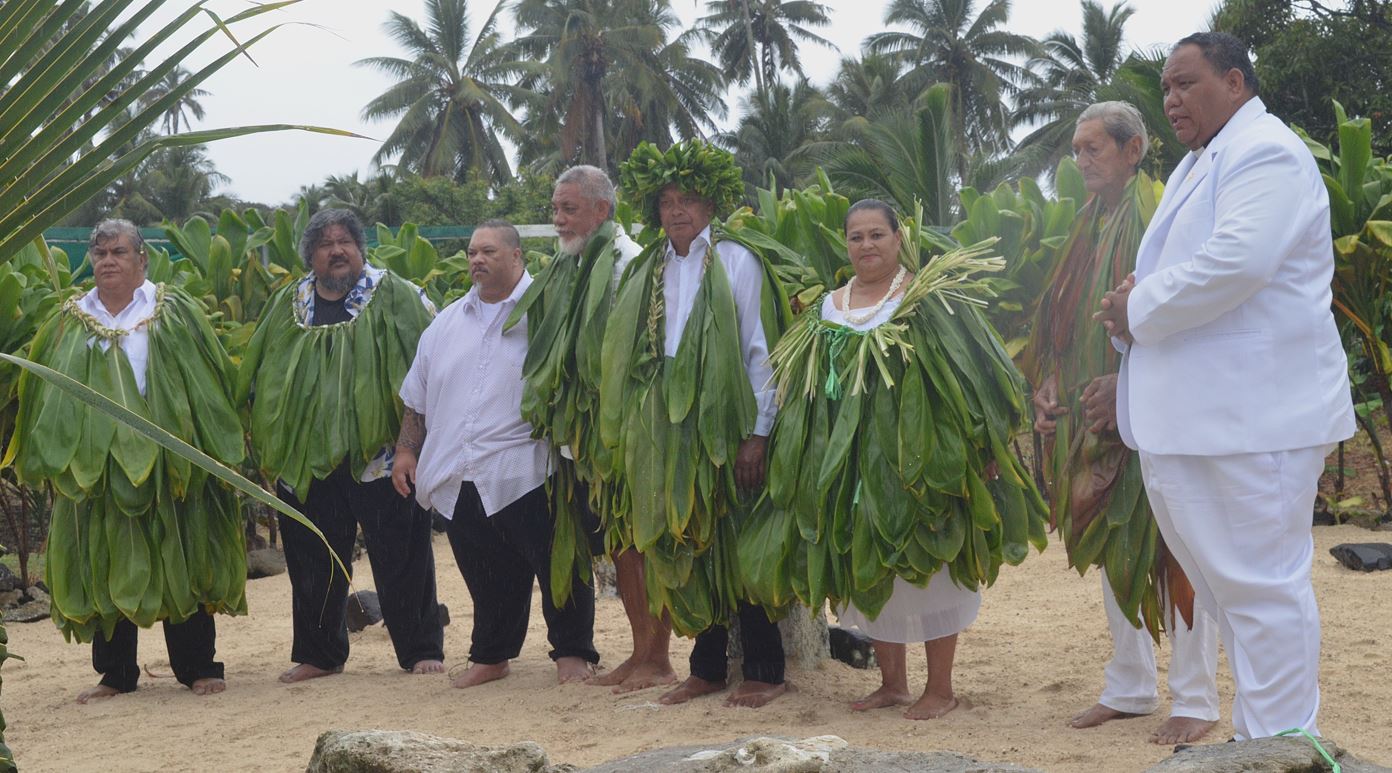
(915, 614)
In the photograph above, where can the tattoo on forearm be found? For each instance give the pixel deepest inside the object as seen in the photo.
(412, 435)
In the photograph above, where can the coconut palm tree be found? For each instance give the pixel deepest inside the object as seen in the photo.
(181, 179)
(600, 63)
(903, 156)
(452, 95)
(187, 106)
(1067, 76)
(758, 38)
(779, 134)
(865, 88)
(945, 42)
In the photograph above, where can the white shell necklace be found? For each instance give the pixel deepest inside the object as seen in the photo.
(861, 318)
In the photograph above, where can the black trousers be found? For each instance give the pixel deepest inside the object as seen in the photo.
(762, 643)
(397, 533)
(191, 647)
(500, 557)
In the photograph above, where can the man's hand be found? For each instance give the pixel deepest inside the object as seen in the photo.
(1113, 314)
(404, 470)
(749, 462)
(1046, 407)
(1099, 404)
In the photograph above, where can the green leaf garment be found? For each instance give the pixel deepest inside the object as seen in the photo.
(326, 393)
(1098, 498)
(567, 308)
(672, 427)
(879, 454)
(136, 533)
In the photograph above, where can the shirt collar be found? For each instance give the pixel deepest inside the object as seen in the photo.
(698, 246)
(473, 301)
(1253, 109)
(145, 293)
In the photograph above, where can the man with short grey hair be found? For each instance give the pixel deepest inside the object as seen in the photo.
(371, 303)
(562, 370)
(1093, 475)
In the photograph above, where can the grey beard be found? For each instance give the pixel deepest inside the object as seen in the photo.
(336, 285)
(577, 245)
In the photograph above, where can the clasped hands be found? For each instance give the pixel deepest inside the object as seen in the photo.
(1099, 405)
(1112, 314)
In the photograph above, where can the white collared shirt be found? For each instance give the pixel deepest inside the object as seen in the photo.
(466, 380)
(681, 279)
(136, 342)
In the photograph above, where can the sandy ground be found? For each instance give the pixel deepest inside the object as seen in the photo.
(1033, 658)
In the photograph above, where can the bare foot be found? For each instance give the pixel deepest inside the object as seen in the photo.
(1096, 715)
(693, 687)
(1181, 730)
(883, 698)
(617, 676)
(480, 673)
(428, 667)
(99, 692)
(572, 669)
(304, 671)
(645, 675)
(931, 707)
(208, 686)
(752, 694)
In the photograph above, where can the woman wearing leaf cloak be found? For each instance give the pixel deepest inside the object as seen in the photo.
(891, 490)
(138, 535)
(1099, 503)
(685, 409)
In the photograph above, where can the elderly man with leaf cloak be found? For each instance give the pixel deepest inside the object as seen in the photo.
(324, 367)
(566, 309)
(686, 407)
(138, 535)
(1099, 503)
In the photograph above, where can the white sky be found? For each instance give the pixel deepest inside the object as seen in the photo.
(306, 74)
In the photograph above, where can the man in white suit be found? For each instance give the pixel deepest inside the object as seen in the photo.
(1234, 384)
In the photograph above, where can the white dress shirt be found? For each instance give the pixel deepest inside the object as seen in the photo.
(136, 342)
(466, 380)
(681, 279)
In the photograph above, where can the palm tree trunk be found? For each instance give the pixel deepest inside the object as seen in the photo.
(754, 62)
(597, 151)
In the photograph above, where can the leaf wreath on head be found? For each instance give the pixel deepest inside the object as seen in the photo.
(694, 166)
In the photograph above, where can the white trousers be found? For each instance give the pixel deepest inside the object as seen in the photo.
(1239, 526)
(1130, 682)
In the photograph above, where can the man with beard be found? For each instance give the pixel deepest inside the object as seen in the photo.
(325, 363)
(480, 467)
(561, 396)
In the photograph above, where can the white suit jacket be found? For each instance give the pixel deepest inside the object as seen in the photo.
(1235, 348)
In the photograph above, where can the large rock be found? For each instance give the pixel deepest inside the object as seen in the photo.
(824, 754)
(35, 609)
(266, 562)
(388, 751)
(1263, 755)
(364, 609)
(8, 580)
